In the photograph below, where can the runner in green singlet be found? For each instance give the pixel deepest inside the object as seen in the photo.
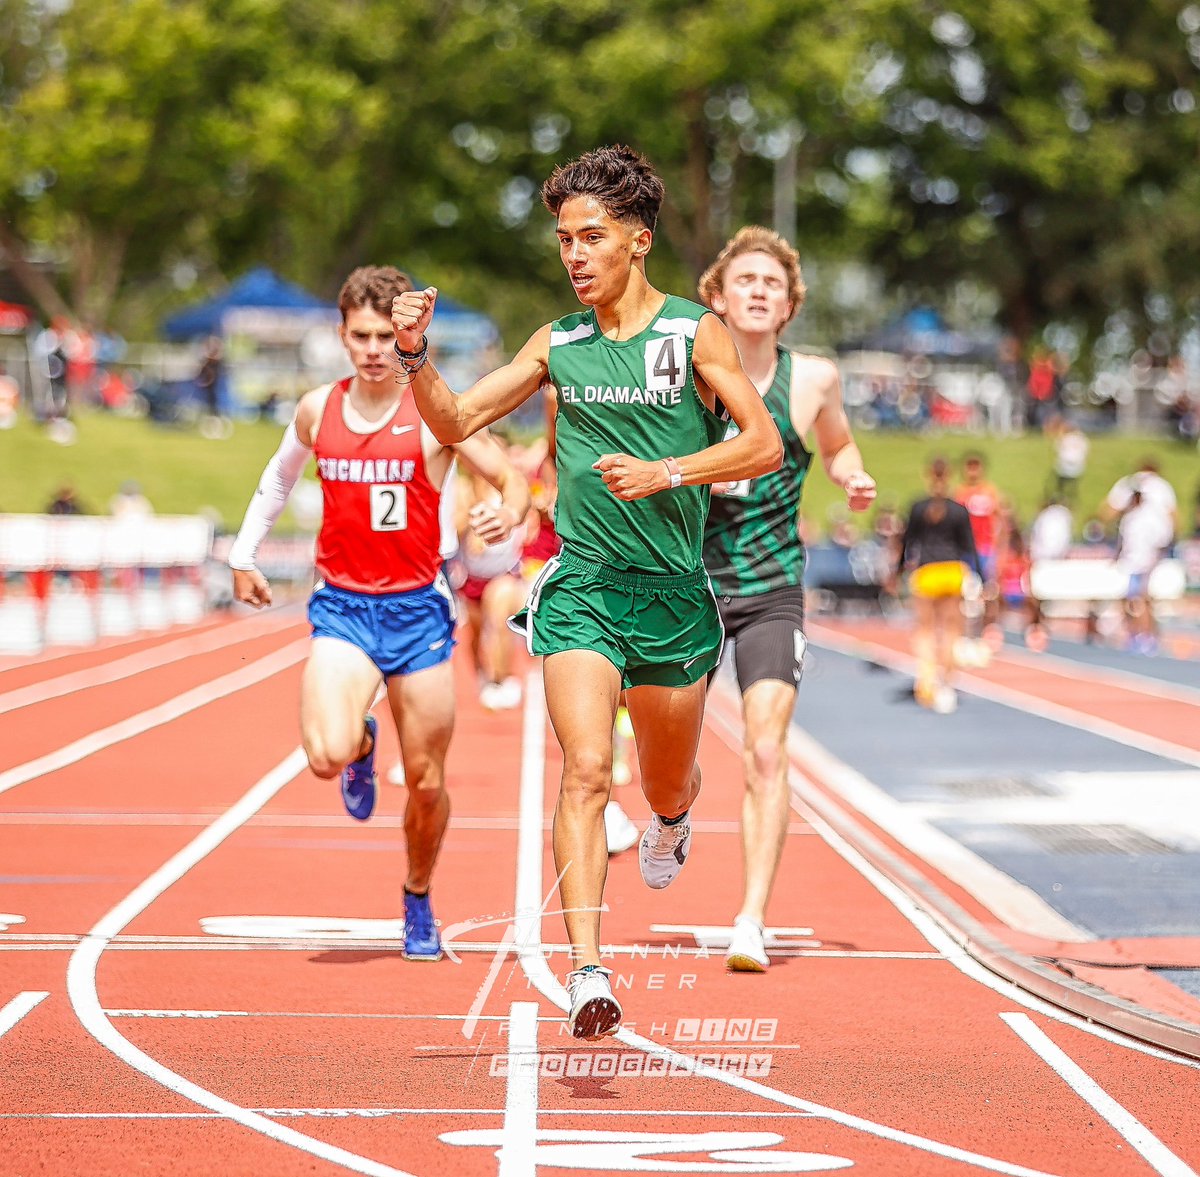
(753, 550)
(645, 385)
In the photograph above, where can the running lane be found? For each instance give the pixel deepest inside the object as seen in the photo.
(239, 1004)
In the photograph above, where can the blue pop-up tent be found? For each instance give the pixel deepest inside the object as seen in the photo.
(923, 331)
(260, 288)
(455, 327)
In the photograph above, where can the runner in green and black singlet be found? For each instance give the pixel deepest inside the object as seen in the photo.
(627, 604)
(753, 549)
(750, 542)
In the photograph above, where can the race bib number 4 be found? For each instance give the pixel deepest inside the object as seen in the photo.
(666, 363)
(389, 507)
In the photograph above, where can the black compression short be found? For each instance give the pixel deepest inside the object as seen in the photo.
(767, 633)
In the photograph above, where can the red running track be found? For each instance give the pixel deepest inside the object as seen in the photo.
(199, 970)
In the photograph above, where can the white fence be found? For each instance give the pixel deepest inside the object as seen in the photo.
(71, 580)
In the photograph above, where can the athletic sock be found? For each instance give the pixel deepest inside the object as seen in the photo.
(415, 894)
(672, 821)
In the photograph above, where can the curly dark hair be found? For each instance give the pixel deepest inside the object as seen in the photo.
(620, 178)
(373, 286)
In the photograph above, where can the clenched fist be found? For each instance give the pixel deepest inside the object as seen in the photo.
(860, 491)
(411, 313)
(631, 478)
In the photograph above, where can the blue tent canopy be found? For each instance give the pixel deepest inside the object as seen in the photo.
(259, 288)
(455, 327)
(923, 331)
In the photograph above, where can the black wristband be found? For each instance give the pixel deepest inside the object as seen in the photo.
(411, 355)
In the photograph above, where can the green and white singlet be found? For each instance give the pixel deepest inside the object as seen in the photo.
(638, 397)
(752, 541)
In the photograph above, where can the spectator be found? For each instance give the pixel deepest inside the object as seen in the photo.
(1070, 458)
(10, 398)
(209, 381)
(1050, 534)
(1003, 416)
(1143, 537)
(1156, 492)
(938, 548)
(1013, 579)
(65, 502)
(130, 503)
(1043, 385)
(983, 504)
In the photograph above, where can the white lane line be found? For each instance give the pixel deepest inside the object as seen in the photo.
(518, 1152)
(16, 1009)
(85, 1000)
(1156, 1154)
(503, 947)
(808, 800)
(109, 672)
(375, 1113)
(536, 968)
(1105, 675)
(1018, 700)
(135, 725)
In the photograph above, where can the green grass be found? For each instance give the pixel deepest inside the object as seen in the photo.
(182, 472)
(1020, 467)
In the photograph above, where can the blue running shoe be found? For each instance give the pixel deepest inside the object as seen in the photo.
(421, 940)
(358, 780)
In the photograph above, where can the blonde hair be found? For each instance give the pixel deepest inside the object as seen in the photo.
(755, 239)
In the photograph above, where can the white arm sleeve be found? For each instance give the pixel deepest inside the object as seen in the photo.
(283, 470)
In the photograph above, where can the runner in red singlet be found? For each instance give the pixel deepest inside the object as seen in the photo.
(381, 611)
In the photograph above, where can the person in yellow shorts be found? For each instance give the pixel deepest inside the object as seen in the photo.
(938, 552)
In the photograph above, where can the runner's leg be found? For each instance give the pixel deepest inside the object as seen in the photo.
(666, 727)
(423, 707)
(582, 688)
(766, 710)
(337, 690)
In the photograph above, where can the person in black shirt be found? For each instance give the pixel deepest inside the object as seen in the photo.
(938, 550)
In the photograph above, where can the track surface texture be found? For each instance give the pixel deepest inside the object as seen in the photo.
(199, 952)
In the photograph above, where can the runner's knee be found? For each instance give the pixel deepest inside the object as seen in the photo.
(587, 775)
(765, 757)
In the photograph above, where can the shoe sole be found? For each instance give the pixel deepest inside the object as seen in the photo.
(597, 1018)
(421, 956)
(740, 963)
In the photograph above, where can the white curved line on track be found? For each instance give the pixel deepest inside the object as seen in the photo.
(207, 642)
(528, 906)
(81, 979)
(135, 725)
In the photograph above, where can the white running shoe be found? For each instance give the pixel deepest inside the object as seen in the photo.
(945, 700)
(501, 696)
(663, 851)
(747, 952)
(595, 1012)
(395, 774)
(619, 831)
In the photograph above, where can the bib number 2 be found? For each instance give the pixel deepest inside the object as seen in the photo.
(389, 507)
